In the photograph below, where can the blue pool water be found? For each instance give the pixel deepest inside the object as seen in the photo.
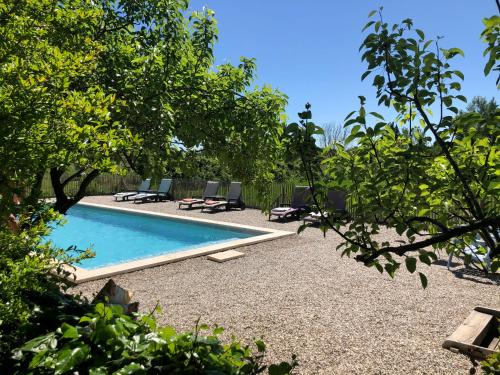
(118, 237)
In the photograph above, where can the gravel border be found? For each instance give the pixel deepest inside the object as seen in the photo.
(338, 316)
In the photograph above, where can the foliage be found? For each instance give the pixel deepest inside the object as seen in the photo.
(436, 182)
(107, 341)
(49, 116)
(197, 164)
(479, 104)
(491, 35)
(95, 86)
(31, 277)
(301, 145)
(491, 365)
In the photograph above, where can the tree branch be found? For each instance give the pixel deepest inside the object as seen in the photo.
(71, 177)
(368, 258)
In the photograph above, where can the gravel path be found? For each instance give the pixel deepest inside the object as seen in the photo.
(338, 316)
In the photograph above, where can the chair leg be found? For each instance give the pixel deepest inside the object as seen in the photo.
(449, 260)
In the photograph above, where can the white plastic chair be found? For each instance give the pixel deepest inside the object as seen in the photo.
(473, 251)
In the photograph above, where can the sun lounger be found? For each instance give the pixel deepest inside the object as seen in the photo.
(473, 252)
(233, 199)
(335, 204)
(298, 205)
(163, 193)
(143, 187)
(209, 193)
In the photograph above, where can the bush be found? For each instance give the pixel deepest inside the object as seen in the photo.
(491, 365)
(32, 283)
(108, 341)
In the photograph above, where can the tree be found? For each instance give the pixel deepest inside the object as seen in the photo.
(106, 86)
(48, 116)
(482, 106)
(439, 195)
(333, 132)
(487, 109)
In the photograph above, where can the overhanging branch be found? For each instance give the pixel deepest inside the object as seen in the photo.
(368, 258)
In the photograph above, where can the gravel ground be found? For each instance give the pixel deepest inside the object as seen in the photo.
(297, 293)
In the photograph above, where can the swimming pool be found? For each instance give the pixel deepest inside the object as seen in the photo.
(126, 239)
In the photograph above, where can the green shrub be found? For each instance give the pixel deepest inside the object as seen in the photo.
(107, 341)
(491, 365)
(32, 283)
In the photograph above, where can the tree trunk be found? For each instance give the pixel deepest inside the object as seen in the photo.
(63, 202)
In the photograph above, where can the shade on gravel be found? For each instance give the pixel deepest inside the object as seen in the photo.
(297, 293)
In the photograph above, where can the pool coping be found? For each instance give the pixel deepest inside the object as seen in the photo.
(81, 275)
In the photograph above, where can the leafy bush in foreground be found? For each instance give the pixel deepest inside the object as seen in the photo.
(32, 299)
(491, 365)
(108, 341)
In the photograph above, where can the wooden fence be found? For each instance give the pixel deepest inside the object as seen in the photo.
(107, 183)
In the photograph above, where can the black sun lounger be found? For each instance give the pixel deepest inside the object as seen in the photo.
(143, 187)
(335, 204)
(298, 205)
(210, 192)
(163, 193)
(233, 199)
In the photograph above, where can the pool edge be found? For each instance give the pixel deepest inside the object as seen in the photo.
(81, 275)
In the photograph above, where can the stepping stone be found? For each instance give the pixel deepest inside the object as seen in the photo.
(225, 256)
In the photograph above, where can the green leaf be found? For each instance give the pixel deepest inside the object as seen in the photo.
(367, 25)
(423, 280)
(372, 13)
(349, 115)
(305, 115)
(411, 264)
(39, 342)
(391, 268)
(350, 122)
(353, 136)
(68, 359)
(495, 265)
(378, 266)
(69, 331)
(98, 371)
(377, 115)
(261, 346)
(455, 51)
(218, 330)
(400, 228)
(131, 369)
(459, 74)
(301, 228)
(365, 74)
(424, 258)
(420, 34)
(283, 368)
(488, 66)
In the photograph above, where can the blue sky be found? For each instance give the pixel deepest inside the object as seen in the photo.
(309, 49)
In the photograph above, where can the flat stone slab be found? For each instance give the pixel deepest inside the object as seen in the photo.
(225, 256)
